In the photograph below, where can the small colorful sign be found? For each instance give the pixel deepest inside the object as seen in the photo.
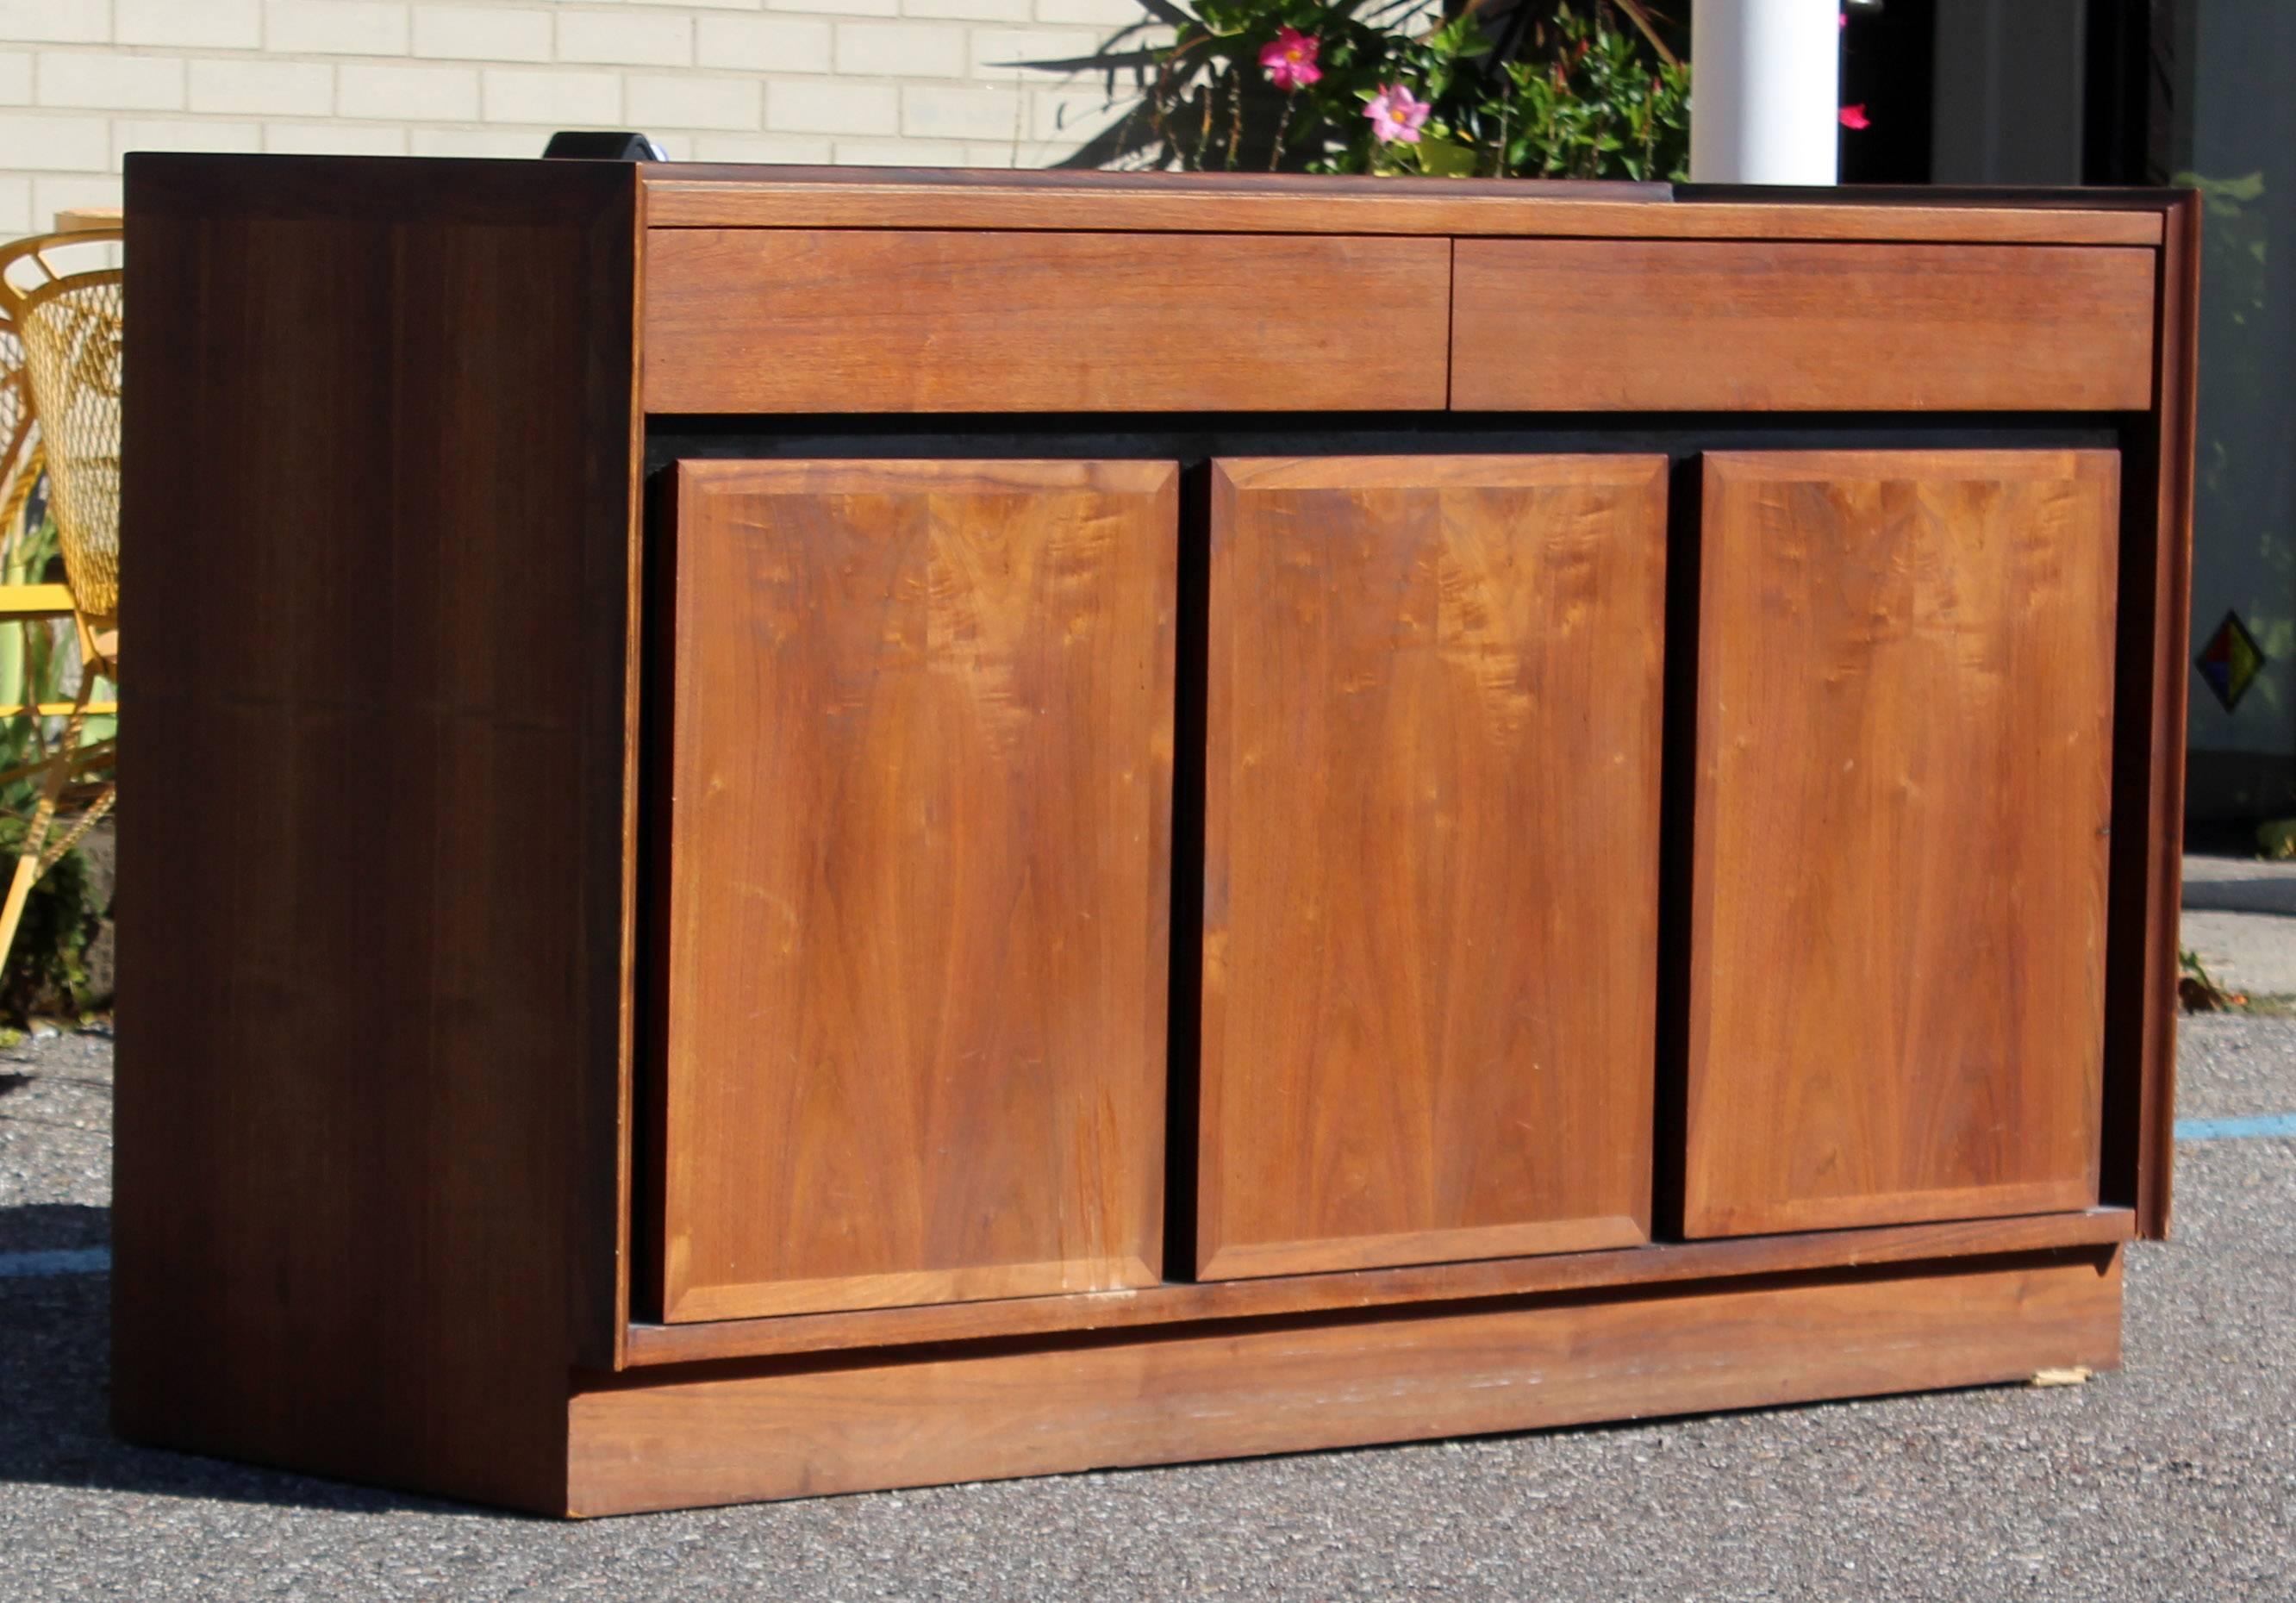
(2230, 661)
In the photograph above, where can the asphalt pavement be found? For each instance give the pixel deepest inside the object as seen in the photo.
(2172, 1478)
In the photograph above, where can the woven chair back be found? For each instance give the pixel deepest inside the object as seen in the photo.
(17, 441)
(71, 326)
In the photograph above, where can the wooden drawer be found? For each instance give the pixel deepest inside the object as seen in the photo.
(1430, 859)
(1898, 913)
(919, 877)
(786, 320)
(1579, 325)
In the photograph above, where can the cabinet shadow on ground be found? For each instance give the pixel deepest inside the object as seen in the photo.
(56, 1398)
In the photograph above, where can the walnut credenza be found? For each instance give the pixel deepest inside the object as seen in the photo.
(809, 830)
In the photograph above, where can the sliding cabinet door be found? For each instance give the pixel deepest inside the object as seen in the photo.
(1905, 702)
(1430, 859)
(918, 812)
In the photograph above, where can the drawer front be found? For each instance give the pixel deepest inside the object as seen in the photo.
(918, 907)
(1579, 325)
(1430, 859)
(873, 320)
(1897, 915)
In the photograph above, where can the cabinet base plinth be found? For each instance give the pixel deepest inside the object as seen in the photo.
(927, 1417)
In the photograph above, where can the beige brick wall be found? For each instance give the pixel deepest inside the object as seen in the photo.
(921, 82)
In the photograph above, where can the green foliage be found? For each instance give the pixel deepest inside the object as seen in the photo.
(46, 969)
(33, 661)
(1556, 93)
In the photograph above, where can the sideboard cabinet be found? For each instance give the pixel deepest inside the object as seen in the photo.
(828, 830)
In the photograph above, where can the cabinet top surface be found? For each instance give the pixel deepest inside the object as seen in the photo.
(683, 195)
(690, 195)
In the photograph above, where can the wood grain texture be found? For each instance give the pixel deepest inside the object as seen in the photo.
(1164, 1399)
(765, 320)
(379, 493)
(920, 881)
(1898, 917)
(697, 196)
(371, 1201)
(2149, 766)
(1228, 1302)
(1430, 859)
(1537, 326)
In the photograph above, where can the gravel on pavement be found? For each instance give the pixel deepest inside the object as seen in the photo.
(2172, 1479)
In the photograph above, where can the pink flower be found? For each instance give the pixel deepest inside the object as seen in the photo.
(1396, 117)
(1854, 117)
(1289, 58)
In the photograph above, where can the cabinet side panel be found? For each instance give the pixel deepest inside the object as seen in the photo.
(2148, 805)
(1897, 1002)
(378, 495)
(1429, 950)
(920, 879)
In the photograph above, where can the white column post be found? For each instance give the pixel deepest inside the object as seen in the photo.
(1765, 91)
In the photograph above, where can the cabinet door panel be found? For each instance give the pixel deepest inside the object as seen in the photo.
(919, 820)
(1898, 903)
(1430, 859)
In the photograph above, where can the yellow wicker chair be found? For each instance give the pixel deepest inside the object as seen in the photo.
(19, 441)
(69, 324)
